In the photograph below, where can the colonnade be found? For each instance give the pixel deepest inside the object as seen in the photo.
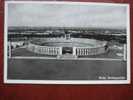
(44, 49)
(89, 51)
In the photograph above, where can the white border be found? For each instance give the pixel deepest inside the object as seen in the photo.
(12, 81)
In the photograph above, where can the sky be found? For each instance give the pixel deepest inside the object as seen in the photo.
(63, 15)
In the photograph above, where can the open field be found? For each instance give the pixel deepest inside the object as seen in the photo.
(52, 69)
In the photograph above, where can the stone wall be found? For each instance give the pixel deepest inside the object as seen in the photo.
(80, 51)
(44, 49)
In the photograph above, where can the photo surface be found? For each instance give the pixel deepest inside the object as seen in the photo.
(66, 43)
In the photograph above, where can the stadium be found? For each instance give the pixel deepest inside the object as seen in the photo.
(73, 47)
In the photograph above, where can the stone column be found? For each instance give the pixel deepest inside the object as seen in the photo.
(46, 50)
(52, 51)
(55, 51)
(60, 51)
(85, 51)
(74, 50)
(80, 51)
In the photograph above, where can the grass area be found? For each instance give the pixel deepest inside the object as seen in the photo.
(42, 69)
(24, 52)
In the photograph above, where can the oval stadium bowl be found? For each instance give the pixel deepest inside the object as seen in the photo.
(73, 46)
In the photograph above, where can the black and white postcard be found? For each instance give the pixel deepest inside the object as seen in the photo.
(66, 43)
